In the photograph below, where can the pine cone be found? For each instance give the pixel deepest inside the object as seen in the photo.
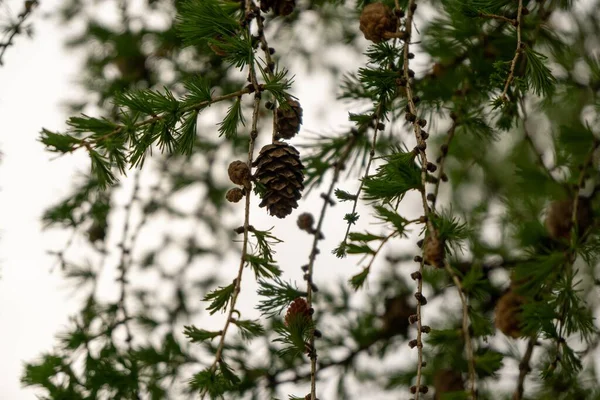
(299, 307)
(558, 219)
(289, 120)
(447, 381)
(279, 169)
(376, 20)
(433, 251)
(508, 314)
(279, 7)
(234, 195)
(305, 222)
(239, 173)
(396, 315)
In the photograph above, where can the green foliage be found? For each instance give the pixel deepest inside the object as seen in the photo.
(220, 298)
(393, 179)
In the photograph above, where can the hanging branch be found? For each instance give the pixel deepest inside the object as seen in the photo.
(238, 279)
(318, 235)
(14, 30)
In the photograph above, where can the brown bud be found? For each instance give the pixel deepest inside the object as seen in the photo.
(239, 173)
(305, 222)
(234, 195)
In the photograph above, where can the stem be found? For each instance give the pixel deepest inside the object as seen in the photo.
(313, 255)
(518, 52)
(238, 279)
(441, 163)
(465, 329)
(524, 369)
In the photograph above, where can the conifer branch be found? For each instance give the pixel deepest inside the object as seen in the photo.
(421, 146)
(89, 142)
(28, 6)
(511, 75)
(377, 124)
(497, 17)
(238, 279)
(529, 140)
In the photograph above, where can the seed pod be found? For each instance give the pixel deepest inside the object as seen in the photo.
(376, 20)
(239, 173)
(508, 314)
(298, 310)
(234, 195)
(433, 251)
(305, 222)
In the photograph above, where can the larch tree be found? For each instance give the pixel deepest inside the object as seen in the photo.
(467, 170)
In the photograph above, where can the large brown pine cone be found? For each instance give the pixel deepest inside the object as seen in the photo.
(376, 20)
(558, 220)
(508, 314)
(279, 169)
(447, 381)
(289, 120)
(279, 7)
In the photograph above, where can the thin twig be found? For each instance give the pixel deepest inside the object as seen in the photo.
(524, 369)
(441, 162)
(497, 17)
(124, 264)
(238, 279)
(421, 146)
(465, 328)
(318, 234)
(518, 52)
(16, 28)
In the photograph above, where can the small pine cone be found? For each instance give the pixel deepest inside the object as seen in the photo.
(447, 381)
(433, 251)
(279, 169)
(396, 315)
(234, 195)
(239, 173)
(279, 7)
(508, 314)
(376, 20)
(306, 222)
(558, 219)
(289, 120)
(298, 307)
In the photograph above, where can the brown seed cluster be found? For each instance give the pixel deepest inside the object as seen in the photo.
(559, 217)
(509, 313)
(298, 309)
(234, 195)
(376, 20)
(305, 222)
(289, 119)
(239, 173)
(279, 170)
(433, 251)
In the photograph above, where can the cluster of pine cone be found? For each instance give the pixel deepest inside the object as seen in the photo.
(279, 171)
(378, 22)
